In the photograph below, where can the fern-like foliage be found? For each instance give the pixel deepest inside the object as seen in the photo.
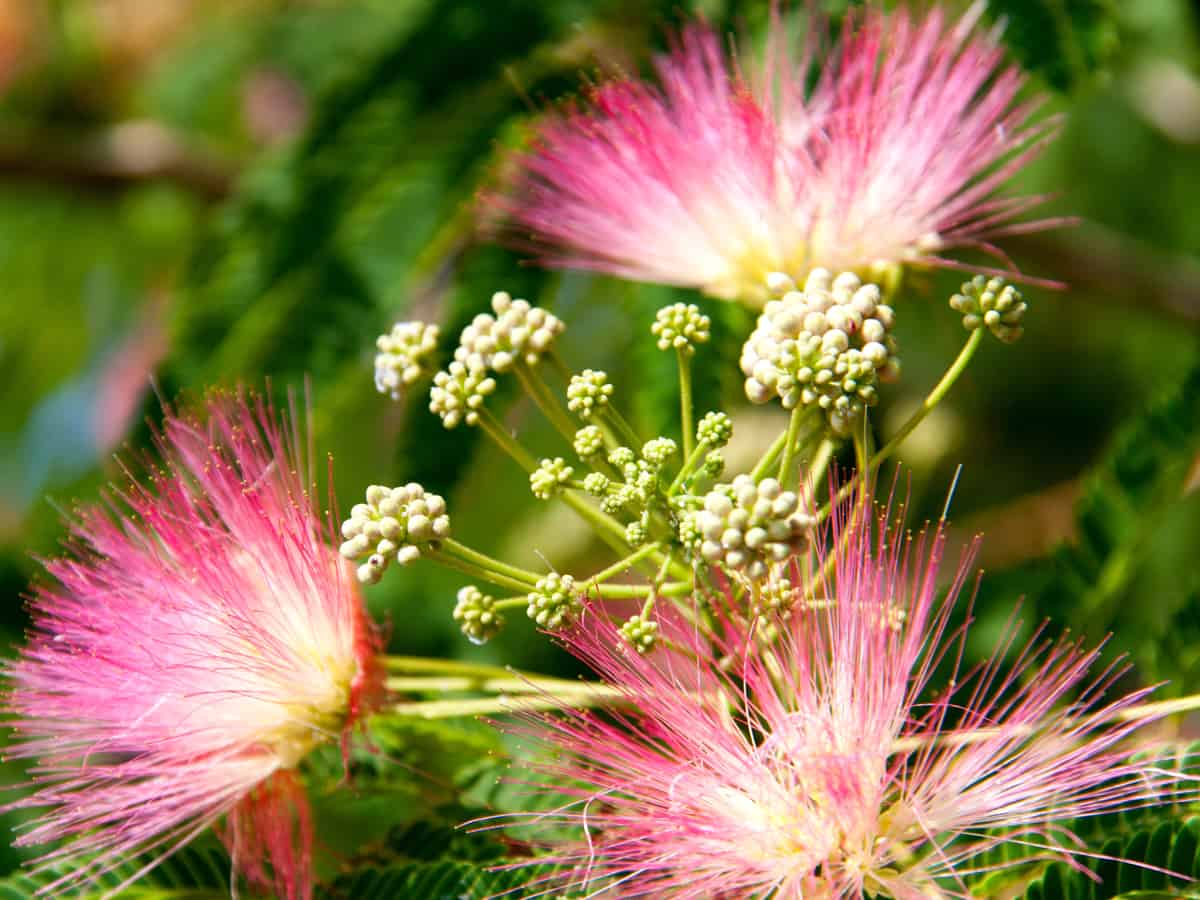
(197, 872)
(1064, 40)
(1124, 518)
(1144, 852)
(435, 881)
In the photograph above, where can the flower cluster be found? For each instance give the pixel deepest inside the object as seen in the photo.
(405, 356)
(747, 525)
(477, 616)
(553, 600)
(992, 303)
(826, 346)
(550, 477)
(727, 171)
(517, 333)
(394, 524)
(200, 640)
(681, 326)
(458, 394)
(588, 393)
(820, 769)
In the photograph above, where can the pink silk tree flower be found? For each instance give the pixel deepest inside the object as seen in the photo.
(718, 175)
(816, 759)
(201, 637)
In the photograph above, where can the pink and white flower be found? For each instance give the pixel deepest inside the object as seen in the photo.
(824, 760)
(201, 637)
(719, 175)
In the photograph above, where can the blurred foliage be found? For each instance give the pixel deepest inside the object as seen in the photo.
(216, 193)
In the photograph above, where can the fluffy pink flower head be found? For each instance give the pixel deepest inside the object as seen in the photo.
(817, 763)
(717, 176)
(201, 638)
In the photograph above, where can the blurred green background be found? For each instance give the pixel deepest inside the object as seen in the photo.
(219, 192)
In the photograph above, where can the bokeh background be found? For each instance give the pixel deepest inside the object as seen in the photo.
(201, 193)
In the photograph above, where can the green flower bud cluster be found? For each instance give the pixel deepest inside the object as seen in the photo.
(774, 597)
(637, 533)
(518, 332)
(553, 600)
(714, 464)
(550, 477)
(394, 524)
(640, 474)
(715, 429)
(681, 326)
(589, 442)
(642, 633)
(405, 356)
(458, 393)
(826, 346)
(588, 393)
(747, 526)
(991, 302)
(477, 616)
(658, 452)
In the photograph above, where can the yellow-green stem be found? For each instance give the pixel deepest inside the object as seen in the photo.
(476, 571)
(685, 400)
(691, 460)
(487, 562)
(930, 403)
(495, 429)
(624, 430)
(483, 706)
(508, 684)
(768, 457)
(934, 398)
(790, 439)
(604, 524)
(621, 565)
(1143, 712)
(817, 468)
(545, 401)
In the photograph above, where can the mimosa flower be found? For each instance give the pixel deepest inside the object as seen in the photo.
(201, 638)
(822, 760)
(720, 175)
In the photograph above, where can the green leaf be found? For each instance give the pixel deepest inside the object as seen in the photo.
(1066, 41)
(433, 881)
(199, 871)
(1132, 511)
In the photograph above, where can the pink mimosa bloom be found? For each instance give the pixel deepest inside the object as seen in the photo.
(201, 637)
(718, 176)
(823, 761)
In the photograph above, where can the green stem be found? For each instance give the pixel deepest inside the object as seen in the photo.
(482, 559)
(691, 460)
(768, 458)
(475, 571)
(537, 390)
(633, 591)
(931, 401)
(790, 439)
(624, 430)
(483, 706)
(623, 564)
(818, 466)
(935, 397)
(564, 372)
(512, 603)
(688, 427)
(1157, 709)
(604, 524)
(499, 434)
(508, 684)
(418, 664)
